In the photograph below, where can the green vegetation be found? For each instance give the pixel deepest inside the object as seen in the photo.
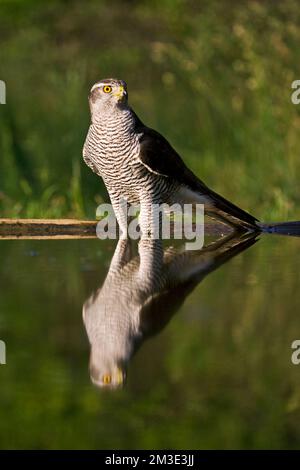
(214, 77)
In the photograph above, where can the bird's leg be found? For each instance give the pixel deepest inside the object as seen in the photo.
(149, 218)
(121, 257)
(151, 262)
(120, 207)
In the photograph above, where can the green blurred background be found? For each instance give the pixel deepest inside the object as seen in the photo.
(213, 76)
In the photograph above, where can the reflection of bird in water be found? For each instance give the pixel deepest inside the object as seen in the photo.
(140, 295)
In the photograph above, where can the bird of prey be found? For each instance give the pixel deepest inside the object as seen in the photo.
(139, 165)
(141, 294)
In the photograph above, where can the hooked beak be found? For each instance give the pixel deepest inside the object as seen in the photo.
(121, 93)
(120, 377)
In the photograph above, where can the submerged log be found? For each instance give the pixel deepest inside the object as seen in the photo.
(47, 228)
(71, 228)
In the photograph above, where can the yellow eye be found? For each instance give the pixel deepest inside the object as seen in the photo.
(107, 88)
(106, 379)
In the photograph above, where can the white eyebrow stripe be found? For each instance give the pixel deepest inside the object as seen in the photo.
(97, 85)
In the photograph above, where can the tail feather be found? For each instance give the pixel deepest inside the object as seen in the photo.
(222, 207)
(217, 206)
(233, 213)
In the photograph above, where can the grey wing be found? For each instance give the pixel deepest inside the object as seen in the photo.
(158, 156)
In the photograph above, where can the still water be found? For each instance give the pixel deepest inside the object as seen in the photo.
(170, 350)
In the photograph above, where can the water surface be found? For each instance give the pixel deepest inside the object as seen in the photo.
(215, 372)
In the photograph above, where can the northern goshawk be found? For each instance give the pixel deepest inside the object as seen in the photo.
(139, 165)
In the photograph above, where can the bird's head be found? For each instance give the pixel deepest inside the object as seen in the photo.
(107, 95)
(106, 374)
